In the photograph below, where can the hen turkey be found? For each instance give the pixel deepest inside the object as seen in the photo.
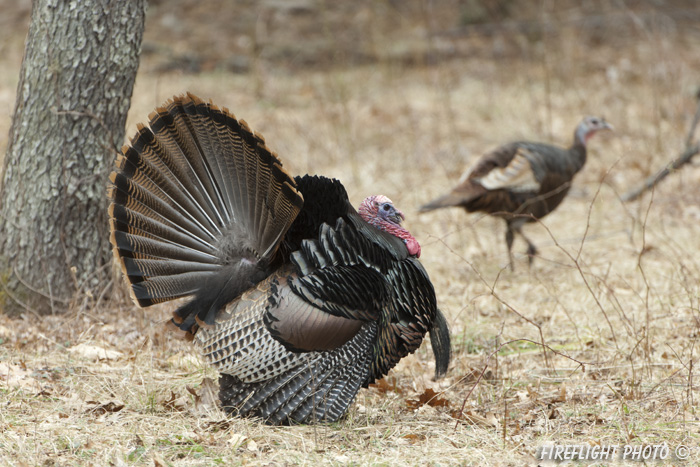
(296, 298)
(521, 181)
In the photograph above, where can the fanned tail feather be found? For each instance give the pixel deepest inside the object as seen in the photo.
(199, 205)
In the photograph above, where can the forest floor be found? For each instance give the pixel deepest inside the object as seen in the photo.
(594, 345)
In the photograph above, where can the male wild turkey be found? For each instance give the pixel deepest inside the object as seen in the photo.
(296, 299)
(522, 181)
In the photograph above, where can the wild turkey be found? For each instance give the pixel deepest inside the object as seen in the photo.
(521, 182)
(296, 299)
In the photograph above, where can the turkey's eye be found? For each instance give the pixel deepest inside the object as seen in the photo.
(387, 207)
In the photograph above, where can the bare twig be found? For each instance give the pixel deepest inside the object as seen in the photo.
(693, 126)
(577, 260)
(685, 157)
(466, 398)
(661, 174)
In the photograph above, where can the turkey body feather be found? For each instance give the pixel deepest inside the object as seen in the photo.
(295, 298)
(520, 180)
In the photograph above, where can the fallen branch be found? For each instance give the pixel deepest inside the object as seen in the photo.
(661, 174)
(690, 151)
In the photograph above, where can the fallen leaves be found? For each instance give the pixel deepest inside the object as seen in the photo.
(94, 352)
(206, 397)
(183, 361)
(198, 401)
(18, 376)
(5, 332)
(488, 420)
(526, 407)
(12, 375)
(385, 385)
(174, 402)
(239, 441)
(414, 438)
(104, 408)
(429, 397)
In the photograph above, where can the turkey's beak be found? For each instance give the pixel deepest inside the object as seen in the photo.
(607, 126)
(397, 217)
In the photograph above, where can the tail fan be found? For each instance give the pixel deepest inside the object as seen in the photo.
(197, 202)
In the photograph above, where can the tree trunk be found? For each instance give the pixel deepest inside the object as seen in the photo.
(73, 96)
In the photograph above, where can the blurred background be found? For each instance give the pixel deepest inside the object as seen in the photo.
(451, 77)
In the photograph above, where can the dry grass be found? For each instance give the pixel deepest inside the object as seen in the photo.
(614, 296)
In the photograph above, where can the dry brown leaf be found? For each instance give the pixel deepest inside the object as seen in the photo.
(43, 392)
(137, 441)
(489, 421)
(94, 352)
(532, 393)
(414, 438)
(175, 403)
(184, 361)
(218, 425)
(562, 395)
(429, 397)
(5, 332)
(384, 385)
(206, 397)
(528, 418)
(241, 441)
(158, 461)
(107, 407)
(15, 376)
(117, 460)
(473, 375)
(251, 445)
(198, 401)
(595, 419)
(237, 440)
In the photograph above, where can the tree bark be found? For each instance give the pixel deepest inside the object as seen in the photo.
(74, 93)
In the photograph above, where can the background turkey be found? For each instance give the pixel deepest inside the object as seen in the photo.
(297, 299)
(521, 181)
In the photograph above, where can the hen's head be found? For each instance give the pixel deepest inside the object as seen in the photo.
(379, 211)
(589, 126)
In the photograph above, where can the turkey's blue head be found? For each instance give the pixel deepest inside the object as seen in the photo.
(379, 211)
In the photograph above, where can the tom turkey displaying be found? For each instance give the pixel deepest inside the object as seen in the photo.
(296, 298)
(522, 181)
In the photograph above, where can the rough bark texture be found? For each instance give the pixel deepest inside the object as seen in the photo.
(74, 92)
